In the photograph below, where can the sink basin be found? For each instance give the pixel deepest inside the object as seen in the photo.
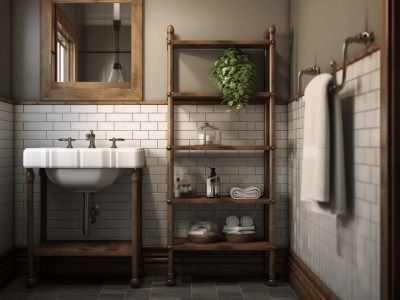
(83, 169)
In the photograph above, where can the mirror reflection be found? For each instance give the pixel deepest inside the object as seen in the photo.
(91, 42)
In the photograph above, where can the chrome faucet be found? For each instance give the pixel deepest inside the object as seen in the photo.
(90, 137)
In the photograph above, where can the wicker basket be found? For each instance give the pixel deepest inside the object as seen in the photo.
(240, 238)
(206, 239)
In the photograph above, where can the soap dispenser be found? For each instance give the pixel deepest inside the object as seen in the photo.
(213, 185)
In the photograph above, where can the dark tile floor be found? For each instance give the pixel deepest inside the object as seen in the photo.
(152, 288)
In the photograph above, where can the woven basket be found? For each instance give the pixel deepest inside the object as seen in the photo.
(240, 238)
(206, 239)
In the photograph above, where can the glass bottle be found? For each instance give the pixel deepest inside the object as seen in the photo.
(213, 185)
(186, 188)
(177, 188)
(208, 135)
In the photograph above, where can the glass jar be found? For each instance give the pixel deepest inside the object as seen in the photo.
(186, 188)
(208, 135)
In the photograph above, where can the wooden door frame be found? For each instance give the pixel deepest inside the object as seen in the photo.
(390, 145)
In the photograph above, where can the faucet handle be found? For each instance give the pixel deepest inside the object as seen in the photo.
(91, 134)
(69, 140)
(113, 140)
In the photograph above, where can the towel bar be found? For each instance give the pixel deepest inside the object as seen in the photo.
(310, 71)
(362, 38)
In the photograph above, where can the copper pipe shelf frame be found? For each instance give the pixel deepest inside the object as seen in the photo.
(267, 97)
(111, 248)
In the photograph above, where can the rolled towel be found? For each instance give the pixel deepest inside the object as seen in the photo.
(236, 228)
(246, 221)
(250, 192)
(199, 232)
(232, 221)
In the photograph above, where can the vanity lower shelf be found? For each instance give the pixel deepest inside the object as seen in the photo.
(221, 200)
(84, 248)
(182, 244)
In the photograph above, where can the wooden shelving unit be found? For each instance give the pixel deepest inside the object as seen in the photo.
(185, 245)
(221, 200)
(267, 97)
(84, 249)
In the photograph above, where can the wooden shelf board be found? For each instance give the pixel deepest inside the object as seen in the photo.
(221, 200)
(190, 96)
(221, 148)
(182, 244)
(220, 44)
(84, 248)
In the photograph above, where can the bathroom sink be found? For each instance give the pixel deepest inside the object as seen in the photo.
(83, 169)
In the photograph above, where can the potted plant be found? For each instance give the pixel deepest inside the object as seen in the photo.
(234, 74)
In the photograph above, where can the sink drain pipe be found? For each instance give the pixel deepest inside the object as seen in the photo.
(87, 197)
(89, 213)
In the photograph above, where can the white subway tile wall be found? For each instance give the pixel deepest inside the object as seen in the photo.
(344, 252)
(146, 126)
(6, 177)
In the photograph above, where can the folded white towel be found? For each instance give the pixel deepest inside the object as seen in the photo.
(232, 221)
(199, 232)
(250, 192)
(236, 228)
(246, 221)
(316, 154)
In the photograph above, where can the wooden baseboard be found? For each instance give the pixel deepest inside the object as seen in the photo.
(155, 263)
(305, 283)
(7, 267)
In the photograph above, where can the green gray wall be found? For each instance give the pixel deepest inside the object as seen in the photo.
(319, 28)
(193, 19)
(5, 48)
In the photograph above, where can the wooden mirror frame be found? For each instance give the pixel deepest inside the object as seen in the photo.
(91, 91)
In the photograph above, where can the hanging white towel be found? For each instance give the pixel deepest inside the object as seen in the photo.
(323, 170)
(315, 168)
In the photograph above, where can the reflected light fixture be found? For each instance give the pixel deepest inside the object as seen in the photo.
(116, 72)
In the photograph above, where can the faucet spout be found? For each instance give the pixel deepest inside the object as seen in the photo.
(91, 138)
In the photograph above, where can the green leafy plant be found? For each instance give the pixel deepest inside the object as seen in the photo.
(234, 74)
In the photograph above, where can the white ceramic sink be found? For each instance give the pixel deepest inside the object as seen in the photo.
(84, 169)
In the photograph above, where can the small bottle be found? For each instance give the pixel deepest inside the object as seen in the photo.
(186, 188)
(177, 188)
(213, 185)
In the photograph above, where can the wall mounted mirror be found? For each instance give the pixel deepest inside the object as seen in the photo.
(91, 50)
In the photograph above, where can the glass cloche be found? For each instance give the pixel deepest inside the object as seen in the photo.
(208, 135)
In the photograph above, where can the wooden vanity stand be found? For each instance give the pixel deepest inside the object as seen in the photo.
(111, 248)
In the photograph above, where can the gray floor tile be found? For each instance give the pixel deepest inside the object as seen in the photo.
(43, 297)
(111, 296)
(261, 290)
(83, 289)
(139, 292)
(73, 296)
(15, 297)
(114, 289)
(224, 295)
(257, 297)
(152, 288)
(165, 298)
(280, 291)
